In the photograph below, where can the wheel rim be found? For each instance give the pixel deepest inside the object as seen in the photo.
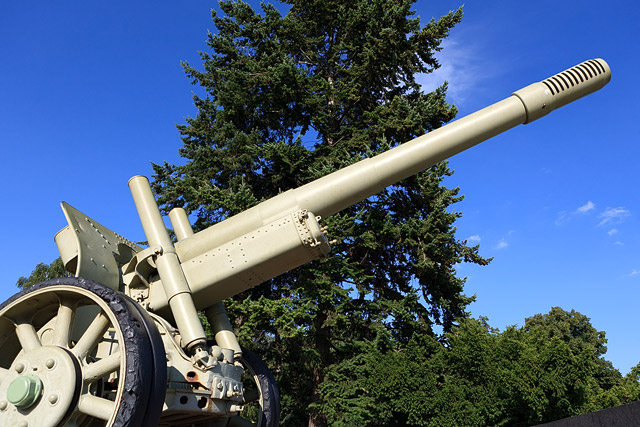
(261, 397)
(84, 345)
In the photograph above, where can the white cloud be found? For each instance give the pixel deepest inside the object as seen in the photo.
(475, 238)
(619, 243)
(589, 206)
(634, 272)
(502, 244)
(461, 66)
(563, 217)
(613, 215)
(608, 216)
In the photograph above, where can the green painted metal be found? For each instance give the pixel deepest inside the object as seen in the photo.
(24, 391)
(174, 283)
(89, 249)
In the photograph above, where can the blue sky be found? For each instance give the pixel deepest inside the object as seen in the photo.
(90, 94)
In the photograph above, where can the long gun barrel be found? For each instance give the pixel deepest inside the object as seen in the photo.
(246, 235)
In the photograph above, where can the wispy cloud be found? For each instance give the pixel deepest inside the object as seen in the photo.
(608, 216)
(613, 215)
(474, 239)
(461, 66)
(589, 206)
(633, 273)
(502, 244)
(563, 216)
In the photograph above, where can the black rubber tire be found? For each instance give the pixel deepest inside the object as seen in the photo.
(269, 395)
(139, 375)
(158, 386)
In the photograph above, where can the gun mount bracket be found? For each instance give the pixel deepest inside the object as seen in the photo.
(137, 272)
(313, 237)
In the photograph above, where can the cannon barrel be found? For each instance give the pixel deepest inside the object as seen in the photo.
(282, 233)
(343, 188)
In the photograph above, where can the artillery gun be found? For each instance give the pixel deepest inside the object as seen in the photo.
(121, 343)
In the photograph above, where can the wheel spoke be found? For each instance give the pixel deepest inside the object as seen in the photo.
(95, 371)
(96, 406)
(27, 336)
(63, 323)
(91, 336)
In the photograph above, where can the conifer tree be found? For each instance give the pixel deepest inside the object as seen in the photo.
(291, 97)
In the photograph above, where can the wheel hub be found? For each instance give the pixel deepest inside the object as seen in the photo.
(39, 388)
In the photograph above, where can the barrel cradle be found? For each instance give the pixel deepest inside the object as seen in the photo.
(102, 339)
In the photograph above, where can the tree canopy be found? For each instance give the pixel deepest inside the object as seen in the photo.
(481, 376)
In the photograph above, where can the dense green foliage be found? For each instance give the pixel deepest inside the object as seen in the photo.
(540, 372)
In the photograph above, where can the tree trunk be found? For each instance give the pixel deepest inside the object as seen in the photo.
(322, 340)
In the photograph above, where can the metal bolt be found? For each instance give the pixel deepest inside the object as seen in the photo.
(23, 424)
(20, 367)
(53, 399)
(234, 408)
(220, 385)
(50, 363)
(3, 405)
(24, 391)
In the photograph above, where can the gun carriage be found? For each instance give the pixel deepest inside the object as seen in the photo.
(121, 343)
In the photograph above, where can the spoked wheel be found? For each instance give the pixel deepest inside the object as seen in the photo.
(261, 397)
(74, 352)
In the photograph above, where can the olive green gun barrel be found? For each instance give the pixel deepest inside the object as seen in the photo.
(343, 188)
